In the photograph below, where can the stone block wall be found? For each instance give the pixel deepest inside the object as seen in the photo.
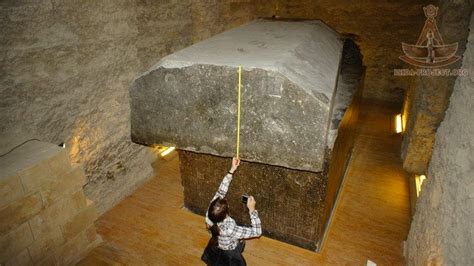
(45, 217)
(442, 230)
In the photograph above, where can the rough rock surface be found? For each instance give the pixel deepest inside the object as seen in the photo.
(289, 84)
(65, 68)
(442, 231)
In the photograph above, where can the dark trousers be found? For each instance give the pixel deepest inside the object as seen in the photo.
(215, 256)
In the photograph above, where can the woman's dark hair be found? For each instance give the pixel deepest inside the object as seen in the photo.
(217, 212)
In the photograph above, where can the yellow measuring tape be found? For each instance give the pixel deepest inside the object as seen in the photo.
(238, 113)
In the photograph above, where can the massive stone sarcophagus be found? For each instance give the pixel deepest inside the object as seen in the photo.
(291, 114)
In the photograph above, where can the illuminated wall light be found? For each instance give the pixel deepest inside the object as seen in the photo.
(159, 149)
(398, 123)
(404, 122)
(418, 182)
(167, 151)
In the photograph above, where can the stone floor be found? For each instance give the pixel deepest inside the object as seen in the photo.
(370, 222)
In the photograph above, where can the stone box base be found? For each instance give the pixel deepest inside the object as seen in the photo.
(290, 202)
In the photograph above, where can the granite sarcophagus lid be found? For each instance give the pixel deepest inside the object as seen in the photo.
(290, 69)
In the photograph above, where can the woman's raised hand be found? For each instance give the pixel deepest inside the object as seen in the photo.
(251, 204)
(235, 164)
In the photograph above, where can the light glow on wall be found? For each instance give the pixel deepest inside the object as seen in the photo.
(167, 151)
(75, 148)
(398, 123)
(419, 182)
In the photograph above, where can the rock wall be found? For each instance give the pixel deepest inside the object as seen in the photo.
(65, 69)
(426, 98)
(46, 219)
(442, 232)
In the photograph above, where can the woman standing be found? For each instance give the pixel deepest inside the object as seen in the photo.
(226, 245)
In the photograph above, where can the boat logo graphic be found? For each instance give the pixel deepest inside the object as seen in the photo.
(430, 50)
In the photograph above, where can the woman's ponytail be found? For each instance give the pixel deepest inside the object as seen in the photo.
(217, 212)
(215, 234)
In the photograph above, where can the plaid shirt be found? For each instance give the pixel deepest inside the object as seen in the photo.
(230, 232)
